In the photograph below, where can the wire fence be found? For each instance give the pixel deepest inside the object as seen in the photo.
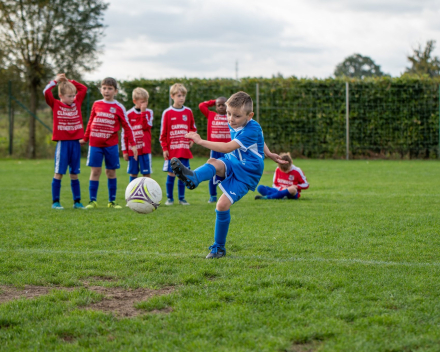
(310, 118)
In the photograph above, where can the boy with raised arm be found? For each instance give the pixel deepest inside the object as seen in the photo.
(177, 121)
(218, 131)
(242, 166)
(141, 121)
(106, 118)
(67, 131)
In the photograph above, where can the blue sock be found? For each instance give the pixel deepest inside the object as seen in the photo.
(133, 178)
(222, 221)
(76, 190)
(112, 187)
(181, 190)
(93, 190)
(56, 190)
(278, 195)
(205, 172)
(170, 186)
(212, 188)
(262, 190)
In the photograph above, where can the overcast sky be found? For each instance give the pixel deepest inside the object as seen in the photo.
(204, 38)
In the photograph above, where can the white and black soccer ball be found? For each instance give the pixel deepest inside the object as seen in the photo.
(143, 195)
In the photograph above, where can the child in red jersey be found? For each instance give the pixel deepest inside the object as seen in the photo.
(218, 131)
(106, 119)
(67, 131)
(288, 182)
(141, 121)
(177, 121)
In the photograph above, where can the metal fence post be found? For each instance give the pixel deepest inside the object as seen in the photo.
(347, 116)
(11, 118)
(257, 93)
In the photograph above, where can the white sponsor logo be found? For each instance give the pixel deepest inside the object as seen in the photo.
(184, 117)
(291, 177)
(113, 110)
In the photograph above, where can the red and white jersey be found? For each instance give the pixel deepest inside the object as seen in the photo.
(141, 123)
(283, 180)
(175, 124)
(67, 119)
(105, 121)
(218, 129)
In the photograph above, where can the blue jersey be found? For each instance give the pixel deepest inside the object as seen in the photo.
(248, 160)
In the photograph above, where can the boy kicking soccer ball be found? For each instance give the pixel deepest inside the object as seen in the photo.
(218, 131)
(288, 181)
(141, 121)
(67, 131)
(177, 121)
(242, 167)
(102, 131)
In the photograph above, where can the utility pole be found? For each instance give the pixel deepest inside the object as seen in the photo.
(236, 70)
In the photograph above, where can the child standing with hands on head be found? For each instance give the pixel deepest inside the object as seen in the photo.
(141, 121)
(106, 118)
(242, 165)
(288, 181)
(177, 121)
(218, 131)
(67, 131)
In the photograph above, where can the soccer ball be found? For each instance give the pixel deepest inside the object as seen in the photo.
(143, 195)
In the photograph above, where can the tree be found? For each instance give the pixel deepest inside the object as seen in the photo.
(422, 62)
(41, 37)
(358, 66)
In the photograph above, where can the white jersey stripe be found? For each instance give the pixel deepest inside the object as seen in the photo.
(58, 157)
(49, 86)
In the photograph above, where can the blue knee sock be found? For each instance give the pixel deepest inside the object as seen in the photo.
(170, 186)
(93, 190)
(56, 190)
(278, 195)
(133, 178)
(112, 187)
(222, 221)
(262, 190)
(181, 190)
(76, 190)
(212, 188)
(205, 172)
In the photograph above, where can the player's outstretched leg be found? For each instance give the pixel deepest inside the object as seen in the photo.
(190, 178)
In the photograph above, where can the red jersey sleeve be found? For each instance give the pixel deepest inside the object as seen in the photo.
(301, 179)
(127, 128)
(164, 132)
(50, 100)
(89, 124)
(81, 91)
(204, 107)
(124, 141)
(192, 123)
(147, 122)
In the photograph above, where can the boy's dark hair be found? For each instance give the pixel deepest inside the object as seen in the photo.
(109, 82)
(288, 158)
(241, 100)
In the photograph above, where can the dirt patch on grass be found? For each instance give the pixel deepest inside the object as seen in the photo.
(9, 293)
(304, 347)
(121, 301)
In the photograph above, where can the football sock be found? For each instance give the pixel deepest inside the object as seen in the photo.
(205, 172)
(212, 188)
(132, 178)
(76, 190)
(222, 221)
(279, 194)
(181, 190)
(170, 186)
(56, 190)
(93, 190)
(112, 186)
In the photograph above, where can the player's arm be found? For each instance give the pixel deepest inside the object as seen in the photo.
(204, 107)
(215, 146)
(164, 136)
(273, 156)
(81, 91)
(89, 126)
(124, 143)
(147, 122)
(192, 127)
(129, 132)
(50, 100)
(302, 181)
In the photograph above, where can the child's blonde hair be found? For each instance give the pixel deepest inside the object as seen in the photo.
(288, 158)
(66, 87)
(176, 88)
(140, 94)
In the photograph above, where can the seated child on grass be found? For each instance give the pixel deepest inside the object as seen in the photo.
(241, 167)
(288, 181)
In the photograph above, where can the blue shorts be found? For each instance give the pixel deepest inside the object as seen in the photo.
(142, 165)
(167, 165)
(110, 154)
(233, 188)
(67, 153)
(216, 155)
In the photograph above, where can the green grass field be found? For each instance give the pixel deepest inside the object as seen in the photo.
(352, 266)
